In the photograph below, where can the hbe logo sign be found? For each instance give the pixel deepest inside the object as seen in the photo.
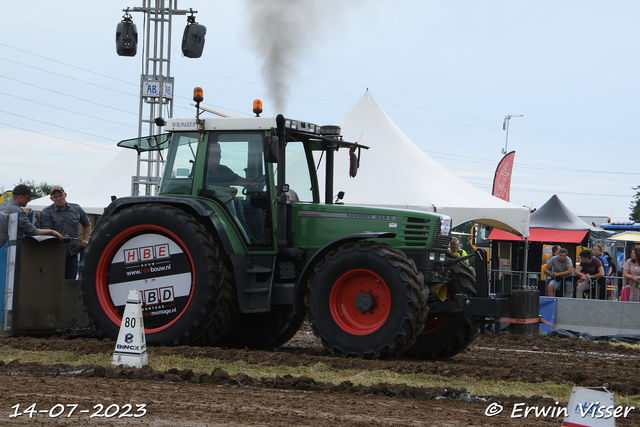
(146, 253)
(158, 296)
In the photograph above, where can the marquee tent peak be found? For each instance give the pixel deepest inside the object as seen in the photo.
(396, 173)
(554, 222)
(557, 213)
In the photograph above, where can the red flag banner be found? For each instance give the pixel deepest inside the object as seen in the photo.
(502, 178)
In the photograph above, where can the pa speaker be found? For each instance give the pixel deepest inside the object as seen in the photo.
(126, 38)
(193, 40)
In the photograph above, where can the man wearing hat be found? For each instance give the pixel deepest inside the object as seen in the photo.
(64, 217)
(21, 195)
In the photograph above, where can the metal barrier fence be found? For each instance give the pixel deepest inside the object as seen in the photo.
(604, 288)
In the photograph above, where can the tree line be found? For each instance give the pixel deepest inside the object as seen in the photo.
(40, 190)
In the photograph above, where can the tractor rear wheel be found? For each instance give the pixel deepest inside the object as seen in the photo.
(254, 330)
(446, 335)
(366, 299)
(229, 312)
(167, 255)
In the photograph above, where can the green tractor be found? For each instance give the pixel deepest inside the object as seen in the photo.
(238, 250)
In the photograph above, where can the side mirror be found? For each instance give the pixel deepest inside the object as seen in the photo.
(271, 147)
(353, 164)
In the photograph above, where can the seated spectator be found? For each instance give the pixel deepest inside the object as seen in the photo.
(559, 268)
(554, 252)
(590, 275)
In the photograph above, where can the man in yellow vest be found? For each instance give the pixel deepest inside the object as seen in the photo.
(454, 246)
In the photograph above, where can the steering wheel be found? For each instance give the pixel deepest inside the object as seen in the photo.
(253, 181)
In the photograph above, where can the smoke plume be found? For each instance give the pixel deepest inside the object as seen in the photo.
(282, 32)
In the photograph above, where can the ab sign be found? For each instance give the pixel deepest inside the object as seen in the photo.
(152, 89)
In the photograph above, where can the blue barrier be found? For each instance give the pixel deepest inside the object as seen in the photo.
(548, 312)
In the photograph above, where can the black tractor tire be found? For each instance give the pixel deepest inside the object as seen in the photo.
(446, 335)
(167, 255)
(367, 300)
(229, 311)
(294, 326)
(259, 330)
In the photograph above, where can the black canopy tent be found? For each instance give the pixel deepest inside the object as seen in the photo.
(552, 223)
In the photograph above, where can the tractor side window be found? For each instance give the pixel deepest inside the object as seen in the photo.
(235, 172)
(178, 174)
(234, 162)
(297, 174)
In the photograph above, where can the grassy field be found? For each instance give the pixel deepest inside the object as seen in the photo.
(319, 372)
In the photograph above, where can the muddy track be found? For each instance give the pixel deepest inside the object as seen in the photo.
(215, 398)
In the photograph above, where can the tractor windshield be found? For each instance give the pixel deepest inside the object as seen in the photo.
(179, 171)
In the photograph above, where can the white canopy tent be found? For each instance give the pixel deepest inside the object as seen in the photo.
(396, 173)
(94, 192)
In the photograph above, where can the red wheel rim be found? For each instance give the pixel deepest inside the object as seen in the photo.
(102, 272)
(432, 324)
(343, 306)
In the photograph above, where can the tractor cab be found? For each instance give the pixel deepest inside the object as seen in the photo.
(250, 167)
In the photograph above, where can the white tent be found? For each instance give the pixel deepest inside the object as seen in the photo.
(396, 173)
(94, 193)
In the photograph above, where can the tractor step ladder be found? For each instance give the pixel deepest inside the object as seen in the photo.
(260, 290)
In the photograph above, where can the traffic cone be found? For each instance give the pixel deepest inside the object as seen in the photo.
(131, 347)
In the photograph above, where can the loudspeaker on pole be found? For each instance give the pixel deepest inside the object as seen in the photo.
(131, 347)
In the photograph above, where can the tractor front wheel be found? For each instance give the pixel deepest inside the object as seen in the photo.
(366, 299)
(446, 335)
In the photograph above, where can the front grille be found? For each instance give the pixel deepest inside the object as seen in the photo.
(416, 231)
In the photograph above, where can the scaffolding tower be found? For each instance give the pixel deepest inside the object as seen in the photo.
(156, 87)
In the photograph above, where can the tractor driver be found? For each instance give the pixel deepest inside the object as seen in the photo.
(222, 176)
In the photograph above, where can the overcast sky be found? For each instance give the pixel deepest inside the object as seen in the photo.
(446, 72)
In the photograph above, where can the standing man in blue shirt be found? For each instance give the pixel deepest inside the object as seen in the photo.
(64, 217)
(20, 196)
(599, 253)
